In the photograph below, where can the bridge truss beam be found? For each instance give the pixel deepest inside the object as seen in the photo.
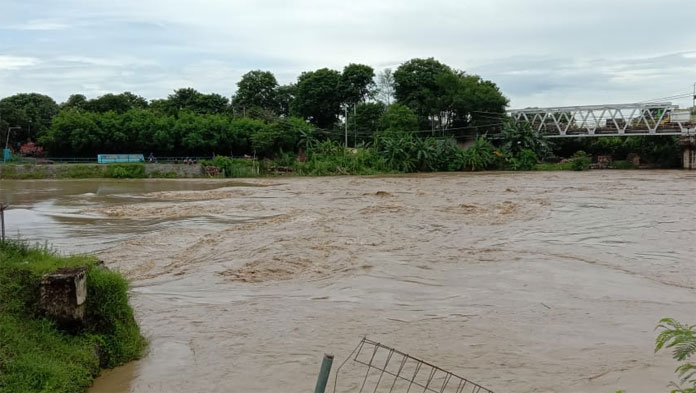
(606, 120)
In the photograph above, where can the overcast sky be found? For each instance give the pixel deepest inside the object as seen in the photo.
(540, 52)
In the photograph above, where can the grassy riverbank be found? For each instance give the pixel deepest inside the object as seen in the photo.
(95, 171)
(35, 356)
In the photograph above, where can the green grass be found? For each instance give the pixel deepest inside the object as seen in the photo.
(81, 171)
(10, 171)
(554, 166)
(125, 171)
(622, 165)
(234, 167)
(77, 171)
(35, 356)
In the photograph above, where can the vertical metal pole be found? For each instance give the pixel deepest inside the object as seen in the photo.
(324, 372)
(7, 141)
(346, 112)
(2, 221)
(355, 114)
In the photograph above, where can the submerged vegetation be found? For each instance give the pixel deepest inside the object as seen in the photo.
(36, 356)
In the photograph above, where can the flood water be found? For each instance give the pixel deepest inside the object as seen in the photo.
(522, 282)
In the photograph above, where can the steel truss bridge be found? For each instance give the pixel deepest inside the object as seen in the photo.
(608, 120)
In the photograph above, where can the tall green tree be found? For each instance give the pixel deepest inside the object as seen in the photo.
(32, 112)
(183, 99)
(318, 97)
(285, 95)
(416, 85)
(119, 103)
(75, 101)
(191, 100)
(398, 118)
(444, 98)
(256, 89)
(357, 82)
(212, 104)
(385, 86)
(365, 120)
(464, 99)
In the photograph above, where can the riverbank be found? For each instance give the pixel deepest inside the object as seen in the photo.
(94, 171)
(37, 356)
(173, 171)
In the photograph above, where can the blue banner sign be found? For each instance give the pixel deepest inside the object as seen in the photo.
(119, 158)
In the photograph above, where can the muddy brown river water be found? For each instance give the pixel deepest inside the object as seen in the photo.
(525, 282)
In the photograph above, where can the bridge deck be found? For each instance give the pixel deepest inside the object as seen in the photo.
(608, 120)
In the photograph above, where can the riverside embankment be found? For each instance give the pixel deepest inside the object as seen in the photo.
(78, 171)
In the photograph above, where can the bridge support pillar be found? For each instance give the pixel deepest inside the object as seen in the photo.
(688, 144)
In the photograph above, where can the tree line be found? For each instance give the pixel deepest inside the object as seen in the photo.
(263, 117)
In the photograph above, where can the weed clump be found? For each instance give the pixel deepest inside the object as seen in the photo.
(36, 356)
(580, 161)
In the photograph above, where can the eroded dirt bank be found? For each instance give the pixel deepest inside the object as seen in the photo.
(538, 282)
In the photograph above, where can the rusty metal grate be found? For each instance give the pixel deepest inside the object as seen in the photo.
(390, 370)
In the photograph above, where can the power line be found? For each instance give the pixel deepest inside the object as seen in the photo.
(672, 97)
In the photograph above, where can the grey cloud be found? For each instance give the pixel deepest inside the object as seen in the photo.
(540, 52)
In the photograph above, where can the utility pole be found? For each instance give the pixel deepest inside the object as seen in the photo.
(346, 133)
(7, 142)
(693, 105)
(355, 141)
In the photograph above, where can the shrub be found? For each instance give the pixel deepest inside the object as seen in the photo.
(233, 167)
(580, 161)
(517, 137)
(623, 165)
(125, 171)
(525, 161)
(398, 151)
(681, 338)
(554, 166)
(480, 156)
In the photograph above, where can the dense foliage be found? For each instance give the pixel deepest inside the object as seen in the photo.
(420, 98)
(35, 356)
(262, 118)
(443, 97)
(580, 161)
(661, 151)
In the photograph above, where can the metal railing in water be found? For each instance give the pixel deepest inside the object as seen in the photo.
(389, 370)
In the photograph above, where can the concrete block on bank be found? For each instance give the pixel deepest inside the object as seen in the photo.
(688, 144)
(63, 295)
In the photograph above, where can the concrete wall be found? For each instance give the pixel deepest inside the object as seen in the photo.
(181, 170)
(54, 171)
(690, 158)
(688, 144)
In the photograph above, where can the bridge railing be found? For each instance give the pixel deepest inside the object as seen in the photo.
(599, 120)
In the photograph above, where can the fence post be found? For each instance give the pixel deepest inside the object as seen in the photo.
(324, 372)
(2, 220)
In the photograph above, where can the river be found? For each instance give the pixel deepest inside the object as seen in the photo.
(522, 282)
